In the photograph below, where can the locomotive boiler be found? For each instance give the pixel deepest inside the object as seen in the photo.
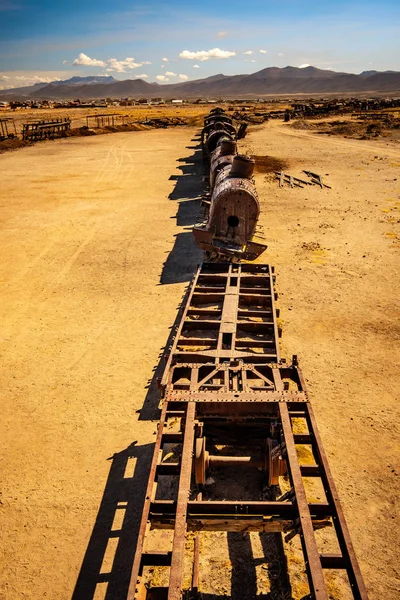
(228, 231)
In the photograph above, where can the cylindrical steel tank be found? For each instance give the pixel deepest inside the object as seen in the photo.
(218, 117)
(242, 166)
(222, 156)
(212, 124)
(214, 137)
(234, 208)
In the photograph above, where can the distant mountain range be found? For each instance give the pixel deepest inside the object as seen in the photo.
(72, 83)
(269, 81)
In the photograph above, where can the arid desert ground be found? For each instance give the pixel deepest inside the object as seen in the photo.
(96, 253)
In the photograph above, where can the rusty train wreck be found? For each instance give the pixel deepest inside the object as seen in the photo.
(228, 230)
(230, 400)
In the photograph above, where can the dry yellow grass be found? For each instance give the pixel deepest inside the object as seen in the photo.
(78, 115)
(135, 113)
(193, 113)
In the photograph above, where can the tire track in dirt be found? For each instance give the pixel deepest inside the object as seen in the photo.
(37, 304)
(110, 325)
(21, 274)
(119, 155)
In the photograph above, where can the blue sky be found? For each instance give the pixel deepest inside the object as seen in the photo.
(47, 40)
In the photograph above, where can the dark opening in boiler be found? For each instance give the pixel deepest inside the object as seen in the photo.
(233, 221)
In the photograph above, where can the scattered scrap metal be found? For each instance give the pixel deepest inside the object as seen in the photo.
(45, 130)
(105, 120)
(317, 179)
(373, 116)
(7, 129)
(296, 182)
(289, 179)
(163, 122)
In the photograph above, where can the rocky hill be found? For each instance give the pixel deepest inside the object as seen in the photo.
(272, 80)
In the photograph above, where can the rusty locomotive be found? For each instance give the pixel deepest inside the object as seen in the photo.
(229, 230)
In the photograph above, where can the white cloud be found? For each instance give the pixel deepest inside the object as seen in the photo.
(112, 64)
(196, 67)
(203, 55)
(13, 79)
(280, 54)
(164, 59)
(121, 66)
(263, 51)
(162, 78)
(86, 61)
(65, 62)
(35, 79)
(183, 77)
(304, 66)
(170, 74)
(222, 34)
(22, 80)
(248, 52)
(142, 76)
(252, 60)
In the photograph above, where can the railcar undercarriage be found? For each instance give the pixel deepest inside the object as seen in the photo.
(230, 401)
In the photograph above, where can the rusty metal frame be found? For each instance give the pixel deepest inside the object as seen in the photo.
(41, 130)
(210, 390)
(230, 288)
(4, 132)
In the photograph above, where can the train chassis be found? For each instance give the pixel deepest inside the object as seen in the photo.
(226, 387)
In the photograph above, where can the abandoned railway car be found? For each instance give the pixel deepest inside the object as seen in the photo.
(229, 227)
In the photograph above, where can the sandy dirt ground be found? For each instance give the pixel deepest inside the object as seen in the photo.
(78, 115)
(96, 253)
(336, 253)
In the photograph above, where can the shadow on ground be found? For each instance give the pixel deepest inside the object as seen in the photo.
(107, 563)
(111, 541)
(184, 256)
